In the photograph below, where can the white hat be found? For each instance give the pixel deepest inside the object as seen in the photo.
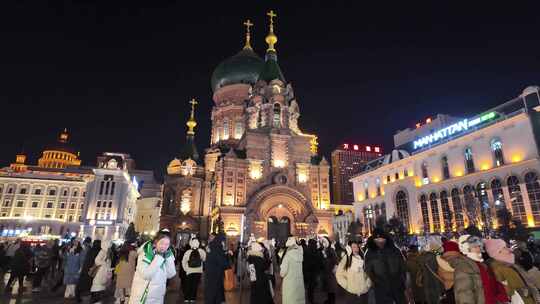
(325, 243)
(256, 247)
(194, 243)
(290, 241)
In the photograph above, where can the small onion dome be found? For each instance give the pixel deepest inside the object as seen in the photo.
(244, 67)
(395, 156)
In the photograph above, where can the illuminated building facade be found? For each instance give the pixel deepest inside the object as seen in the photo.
(347, 161)
(261, 172)
(460, 173)
(60, 155)
(47, 199)
(110, 204)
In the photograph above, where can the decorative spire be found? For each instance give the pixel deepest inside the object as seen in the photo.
(248, 24)
(271, 38)
(63, 138)
(191, 123)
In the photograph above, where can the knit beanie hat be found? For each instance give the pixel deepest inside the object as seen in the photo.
(493, 249)
(450, 246)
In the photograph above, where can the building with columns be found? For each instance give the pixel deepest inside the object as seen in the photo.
(261, 174)
(47, 199)
(460, 172)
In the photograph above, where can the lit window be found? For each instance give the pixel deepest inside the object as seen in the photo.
(377, 149)
(238, 129)
(425, 175)
(226, 129)
(469, 162)
(445, 169)
(368, 148)
(496, 147)
(355, 147)
(277, 115)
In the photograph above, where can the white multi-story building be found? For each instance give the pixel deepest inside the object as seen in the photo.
(460, 173)
(110, 203)
(47, 199)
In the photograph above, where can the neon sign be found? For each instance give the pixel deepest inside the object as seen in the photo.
(458, 127)
(361, 148)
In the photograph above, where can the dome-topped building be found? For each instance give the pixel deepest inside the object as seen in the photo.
(244, 67)
(60, 155)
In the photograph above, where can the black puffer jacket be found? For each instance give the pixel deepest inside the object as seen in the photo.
(385, 267)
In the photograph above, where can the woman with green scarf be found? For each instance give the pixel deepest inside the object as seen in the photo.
(155, 265)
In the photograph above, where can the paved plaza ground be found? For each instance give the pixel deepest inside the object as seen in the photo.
(173, 295)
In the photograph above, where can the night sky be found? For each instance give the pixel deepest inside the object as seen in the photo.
(119, 74)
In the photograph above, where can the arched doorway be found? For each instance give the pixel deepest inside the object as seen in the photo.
(279, 211)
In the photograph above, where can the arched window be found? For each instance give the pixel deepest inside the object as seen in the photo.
(225, 129)
(218, 134)
(458, 207)
(425, 176)
(366, 191)
(425, 212)
(447, 214)
(238, 129)
(469, 161)
(378, 182)
(277, 115)
(445, 169)
(435, 216)
(481, 194)
(498, 196)
(518, 208)
(402, 207)
(383, 210)
(533, 190)
(498, 156)
(471, 207)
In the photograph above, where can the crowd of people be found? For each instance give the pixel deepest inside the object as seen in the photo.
(463, 270)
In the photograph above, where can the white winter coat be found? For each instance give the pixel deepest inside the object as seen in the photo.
(354, 280)
(104, 273)
(293, 278)
(154, 274)
(185, 259)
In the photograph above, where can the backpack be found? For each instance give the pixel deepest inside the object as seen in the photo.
(195, 260)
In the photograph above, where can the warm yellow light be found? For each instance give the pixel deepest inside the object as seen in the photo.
(279, 163)
(436, 179)
(360, 197)
(484, 167)
(373, 195)
(458, 173)
(530, 221)
(302, 177)
(516, 158)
